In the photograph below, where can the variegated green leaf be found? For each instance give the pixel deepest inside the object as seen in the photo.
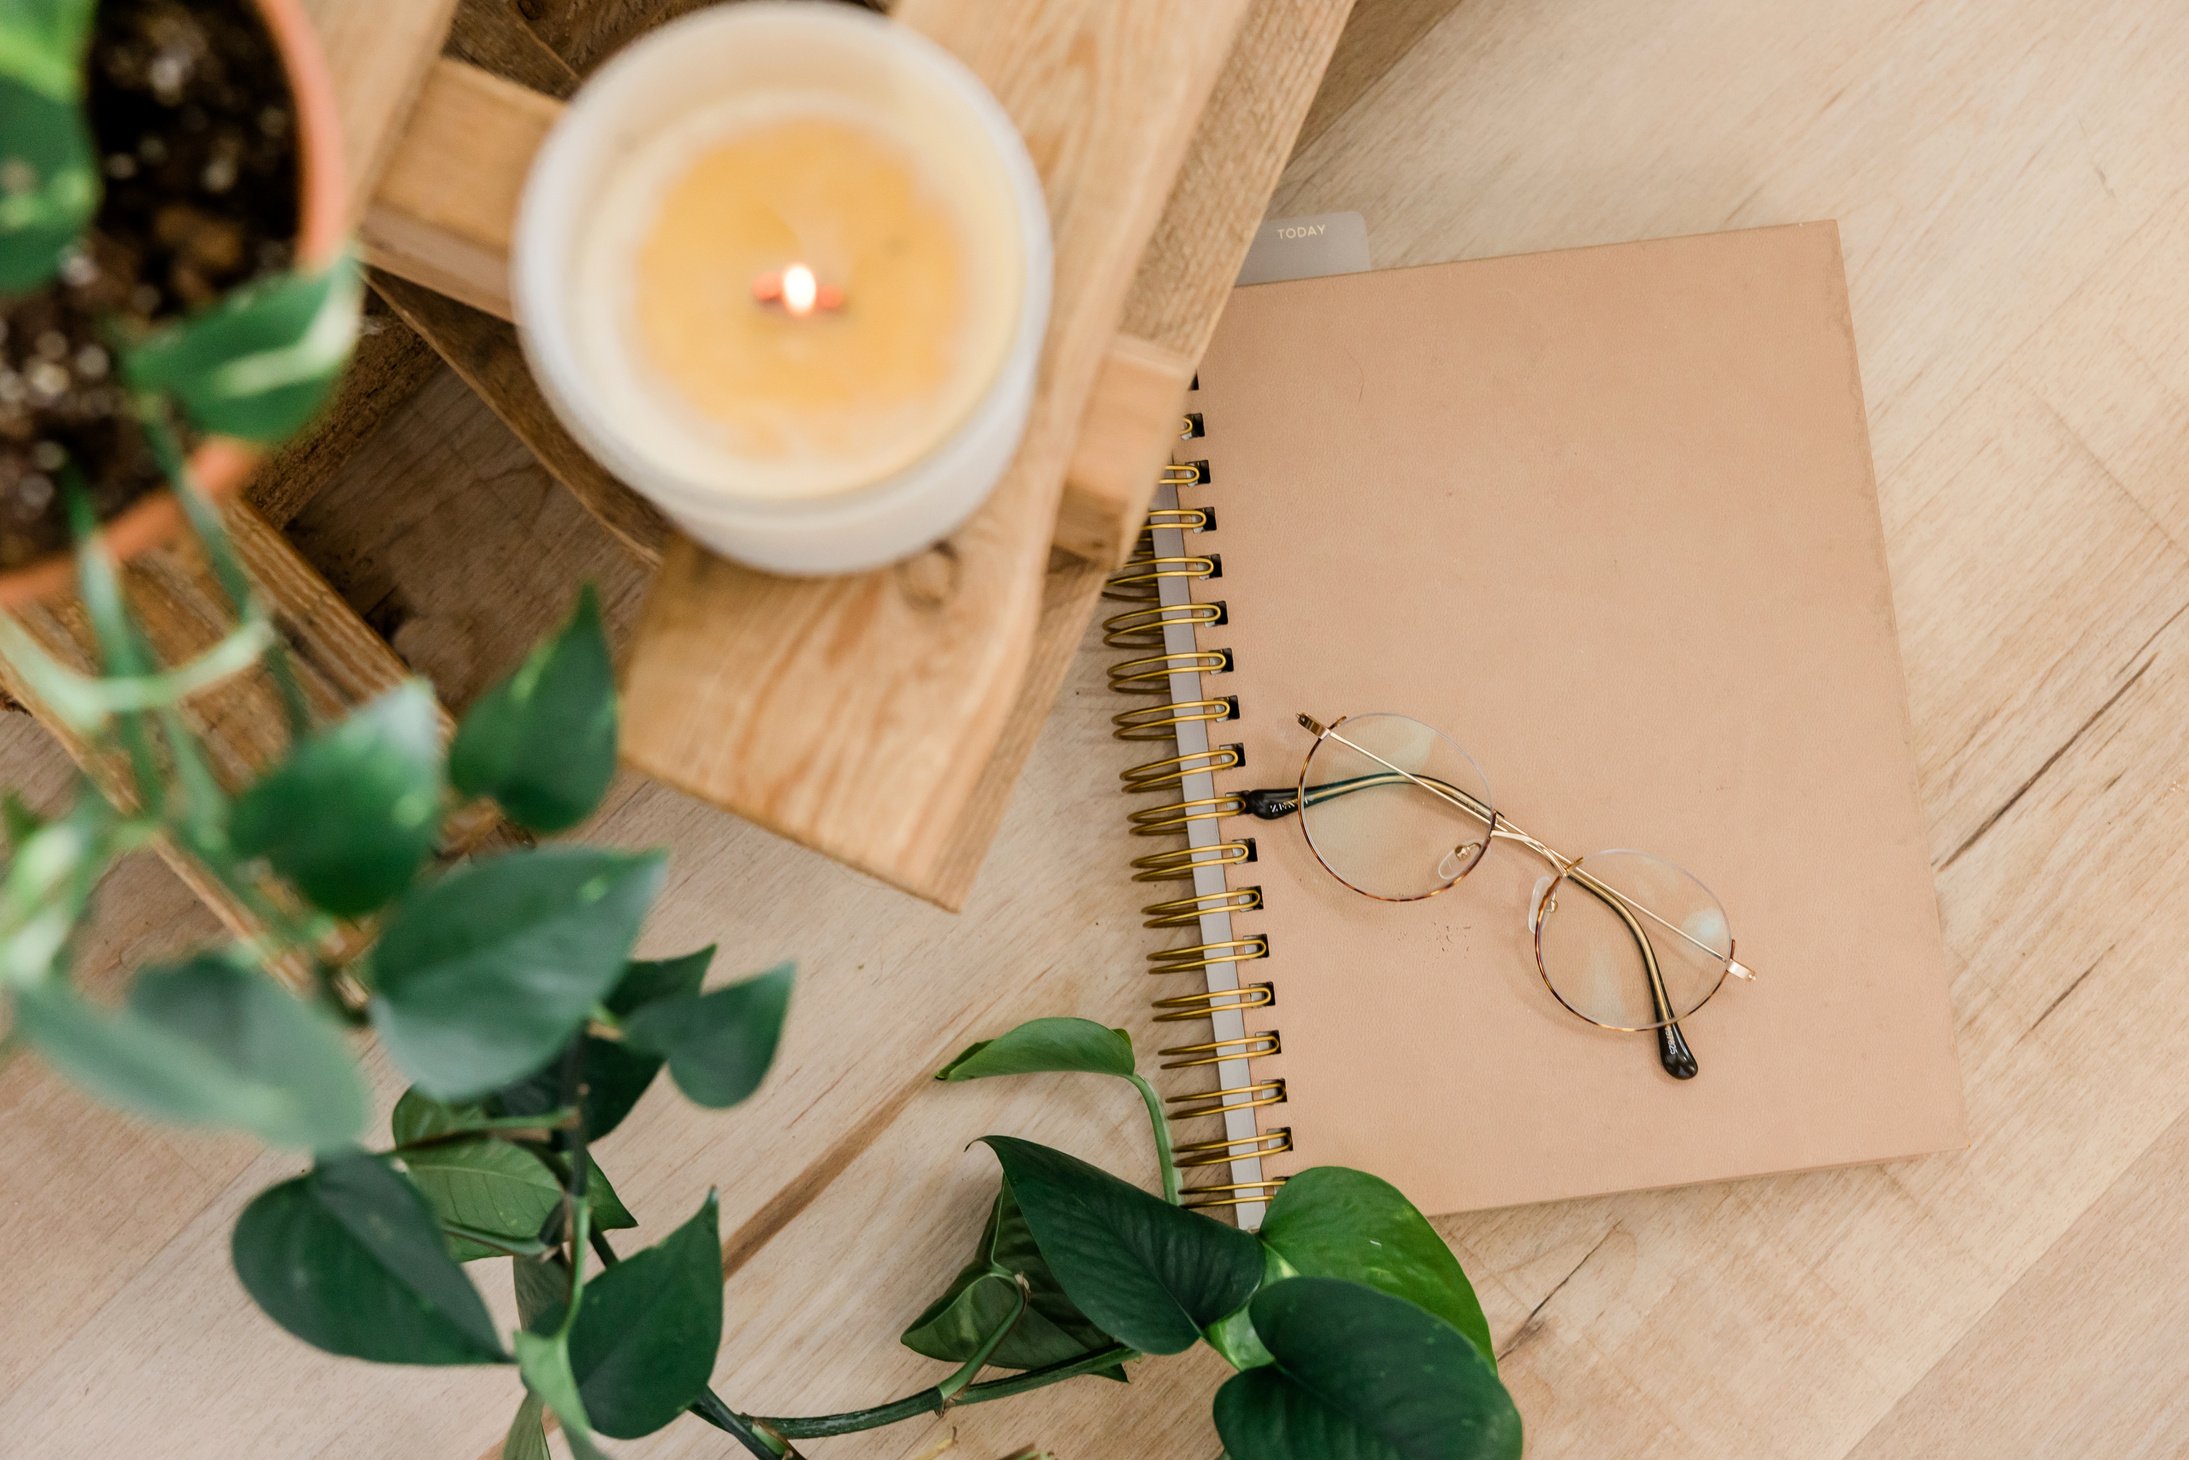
(258, 363)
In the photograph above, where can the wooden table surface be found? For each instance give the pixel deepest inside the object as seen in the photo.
(2013, 187)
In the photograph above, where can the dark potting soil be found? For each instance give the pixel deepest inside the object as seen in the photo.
(196, 137)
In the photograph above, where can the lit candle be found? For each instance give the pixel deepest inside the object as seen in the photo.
(784, 268)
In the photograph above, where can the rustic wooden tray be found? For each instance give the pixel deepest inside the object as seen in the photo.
(881, 717)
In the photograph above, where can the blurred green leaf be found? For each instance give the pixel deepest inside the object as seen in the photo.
(1359, 1375)
(348, 1258)
(985, 1294)
(258, 362)
(355, 810)
(1333, 1222)
(484, 974)
(207, 1042)
(1046, 1045)
(1152, 1274)
(527, 1439)
(42, 45)
(48, 886)
(418, 1116)
(19, 820)
(613, 1073)
(49, 188)
(719, 1044)
(542, 743)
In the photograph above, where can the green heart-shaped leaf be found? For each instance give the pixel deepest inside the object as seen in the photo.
(985, 1295)
(207, 1042)
(1152, 1274)
(348, 1258)
(613, 1073)
(1044, 1046)
(542, 743)
(1358, 1375)
(718, 1044)
(1330, 1221)
(486, 1191)
(355, 811)
(483, 975)
(488, 1186)
(258, 362)
(644, 1342)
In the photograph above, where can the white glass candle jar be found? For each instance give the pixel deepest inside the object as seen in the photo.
(784, 268)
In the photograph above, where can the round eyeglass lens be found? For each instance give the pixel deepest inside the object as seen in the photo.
(1629, 941)
(1394, 808)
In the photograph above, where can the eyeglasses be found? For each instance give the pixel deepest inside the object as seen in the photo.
(1396, 811)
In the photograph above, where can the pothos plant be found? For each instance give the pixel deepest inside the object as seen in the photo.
(507, 990)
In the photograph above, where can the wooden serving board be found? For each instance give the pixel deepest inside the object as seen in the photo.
(880, 717)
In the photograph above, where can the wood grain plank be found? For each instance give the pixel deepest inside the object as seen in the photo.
(856, 714)
(379, 54)
(1240, 148)
(446, 206)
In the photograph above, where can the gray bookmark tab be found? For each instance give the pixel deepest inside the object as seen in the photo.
(1307, 248)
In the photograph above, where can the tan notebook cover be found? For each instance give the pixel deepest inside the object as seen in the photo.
(1608, 518)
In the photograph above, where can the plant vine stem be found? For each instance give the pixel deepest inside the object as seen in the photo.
(159, 429)
(1173, 1179)
(932, 1401)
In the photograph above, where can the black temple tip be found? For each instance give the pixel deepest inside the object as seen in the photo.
(1673, 1053)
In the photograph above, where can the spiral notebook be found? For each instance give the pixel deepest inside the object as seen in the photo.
(1606, 517)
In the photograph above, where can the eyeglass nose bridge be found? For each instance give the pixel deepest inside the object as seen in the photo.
(1539, 902)
(1460, 860)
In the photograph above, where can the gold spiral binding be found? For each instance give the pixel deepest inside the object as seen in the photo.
(1142, 628)
(1181, 519)
(1206, 955)
(1216, 1051)
(1176, 816)
(1161, 722)
(1219, 1102)
(1223, 1153)
(1178, 864)
(1141, 579)
(1151, 673)
(1243, 1193)
(1182, 1008)
(1153, 664)
(1161, 775)
(1186, 912)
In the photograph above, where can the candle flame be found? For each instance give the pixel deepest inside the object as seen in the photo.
(800, 290)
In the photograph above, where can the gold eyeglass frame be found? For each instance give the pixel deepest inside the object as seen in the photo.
(1673, 1051)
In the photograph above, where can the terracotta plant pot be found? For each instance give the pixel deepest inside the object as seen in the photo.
(221, 465)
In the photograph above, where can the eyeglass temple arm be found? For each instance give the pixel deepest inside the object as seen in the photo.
(1673, 1052)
